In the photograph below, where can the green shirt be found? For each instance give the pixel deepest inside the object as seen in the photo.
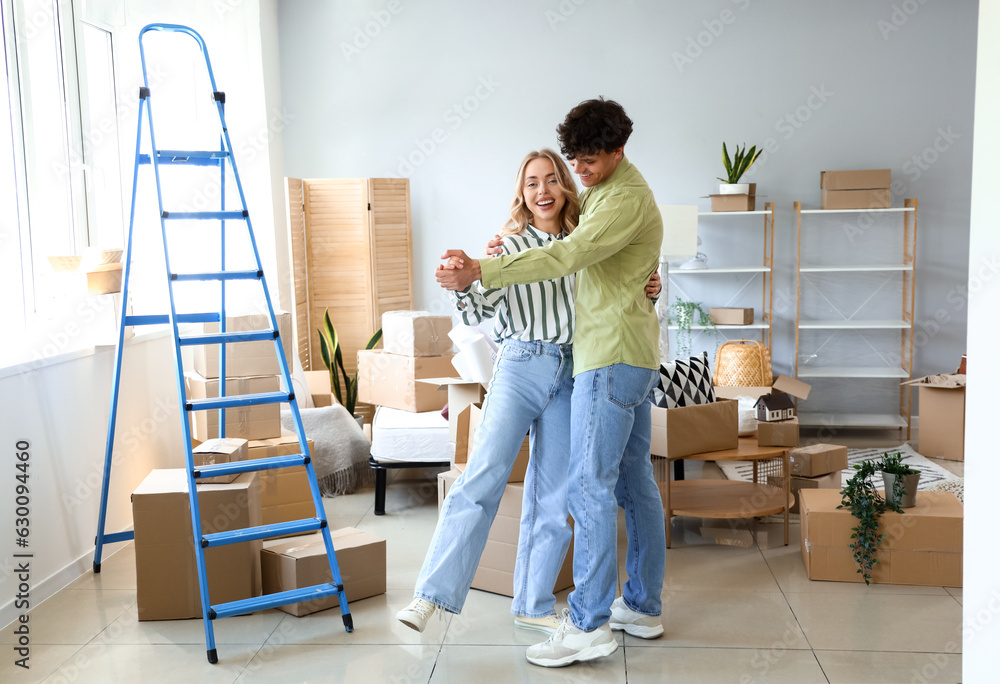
(615, 249)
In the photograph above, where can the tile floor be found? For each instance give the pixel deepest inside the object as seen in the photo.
(737, 608)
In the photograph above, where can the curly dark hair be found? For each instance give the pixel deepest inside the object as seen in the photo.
(594, 126)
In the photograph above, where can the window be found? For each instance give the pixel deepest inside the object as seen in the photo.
(60, 167)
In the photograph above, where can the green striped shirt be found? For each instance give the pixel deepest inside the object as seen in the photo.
(534, 312)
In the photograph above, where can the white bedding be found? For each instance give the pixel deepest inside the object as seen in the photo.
(407, 437)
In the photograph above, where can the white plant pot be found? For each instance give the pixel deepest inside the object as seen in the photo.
(734, 188)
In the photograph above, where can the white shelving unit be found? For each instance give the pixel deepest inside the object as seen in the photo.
(763, 317)
(904, 325)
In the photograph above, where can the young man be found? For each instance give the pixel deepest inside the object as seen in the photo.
(615, 248)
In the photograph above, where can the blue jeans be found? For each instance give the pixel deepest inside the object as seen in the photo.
(610, 467)
(531, 389)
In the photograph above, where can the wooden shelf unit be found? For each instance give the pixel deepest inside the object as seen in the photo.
(763, 318)
(907, 269)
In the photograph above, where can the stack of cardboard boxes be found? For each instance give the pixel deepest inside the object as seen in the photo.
(166, 575)
(818, 466)
(863, 189)
(415, 346)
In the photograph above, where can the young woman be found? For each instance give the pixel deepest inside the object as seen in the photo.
(531, 390)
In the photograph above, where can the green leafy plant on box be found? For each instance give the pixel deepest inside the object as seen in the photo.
(867, 505)
(345, 391)
(740, 164)
(682, 314)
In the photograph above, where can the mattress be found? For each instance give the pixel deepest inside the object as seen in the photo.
(407, 437)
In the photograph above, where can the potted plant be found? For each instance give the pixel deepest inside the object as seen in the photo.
(741, 162)
(867, 505)
(683, 314)
(895, 471)
(346, 392)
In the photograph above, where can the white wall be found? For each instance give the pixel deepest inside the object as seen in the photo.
(370, 83)
(981, 595)
(61, 410)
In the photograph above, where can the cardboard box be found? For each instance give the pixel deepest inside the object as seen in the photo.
(782, 383)
(942, 416)
(105, 279)
(687, 430)
(922, 546)
(731, 315)
(461, 393)
(217, 451)
(874, 198)
(285, 494)
(864, 179)
(245, 359)
(495, 572)
(249, 422)
(165, 568)
(391, 380)
(828, 481)
(416, 333)
(817, 459)
(302, 563)
(319, 388)
(733, 202)
(468, 421)
(784, 433)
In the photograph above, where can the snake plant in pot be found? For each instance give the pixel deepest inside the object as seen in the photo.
(344, 387)
(866, 504)
(741, 162)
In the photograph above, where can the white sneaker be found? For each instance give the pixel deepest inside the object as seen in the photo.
(636, 624)
(416, 614)
(571, 645)
(547, 624)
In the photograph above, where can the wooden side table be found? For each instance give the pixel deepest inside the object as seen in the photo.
(730, 498)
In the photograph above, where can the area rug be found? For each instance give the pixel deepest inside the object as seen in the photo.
(930, 473)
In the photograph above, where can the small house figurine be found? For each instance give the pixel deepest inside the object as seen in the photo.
(774, 407)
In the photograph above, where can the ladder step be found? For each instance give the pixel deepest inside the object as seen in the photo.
(253, 465)
(204, 215)
(162, 319)
(226, 337)
(219, 275)
(284, 598)
(261, 532)
(238, 400)
(191, 158)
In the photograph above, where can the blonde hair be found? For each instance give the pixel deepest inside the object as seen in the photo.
(519, 214)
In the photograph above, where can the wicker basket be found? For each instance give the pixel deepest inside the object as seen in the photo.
(743, 363)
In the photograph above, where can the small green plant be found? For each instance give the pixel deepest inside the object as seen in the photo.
(333, 359)
(741, 162)
(893, 463)
(682, 314)
(868, 505)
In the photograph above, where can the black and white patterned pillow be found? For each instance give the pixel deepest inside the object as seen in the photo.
(685, 383)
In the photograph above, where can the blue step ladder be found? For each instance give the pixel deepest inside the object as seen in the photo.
(221, 158)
